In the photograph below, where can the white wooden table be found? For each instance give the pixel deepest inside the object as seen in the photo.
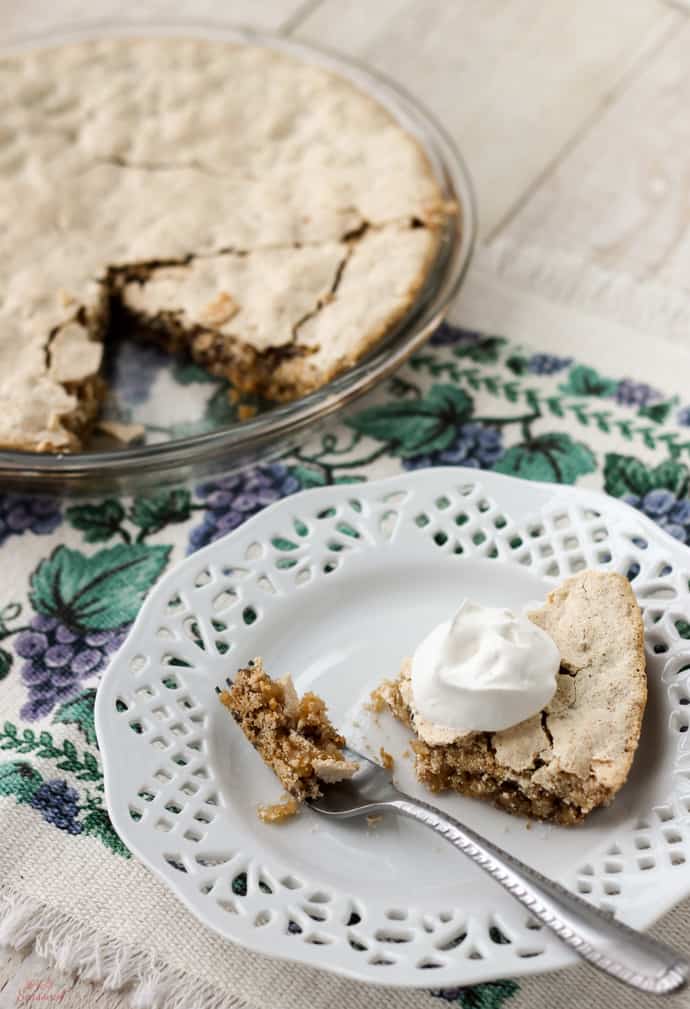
(573, 117)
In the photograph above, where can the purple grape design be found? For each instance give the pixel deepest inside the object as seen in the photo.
(474, 445)
(233, 499)
(27, 514)
(58, 804)
(57, 660)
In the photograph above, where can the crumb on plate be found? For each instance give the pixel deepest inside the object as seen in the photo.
(277, 811)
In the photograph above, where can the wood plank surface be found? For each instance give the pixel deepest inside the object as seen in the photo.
(512, 80)
(621, 198)
(22, 17)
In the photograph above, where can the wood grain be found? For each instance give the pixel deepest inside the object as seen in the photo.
(512, 80)
(37, 16)
(621, 198)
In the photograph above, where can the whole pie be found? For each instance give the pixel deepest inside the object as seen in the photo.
(256, 212)
(576, 753)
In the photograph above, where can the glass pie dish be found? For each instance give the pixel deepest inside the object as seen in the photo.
(191, 428)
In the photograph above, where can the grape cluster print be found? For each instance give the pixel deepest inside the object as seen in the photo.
(659, 492)
(57, 658)
(82, 606)
(668, 511)
(547, 364)
(629, 393)
(233, 499)
(27, 514)
(59, 805)
(474, 445)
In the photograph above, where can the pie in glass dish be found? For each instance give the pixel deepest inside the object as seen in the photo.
(231, 202)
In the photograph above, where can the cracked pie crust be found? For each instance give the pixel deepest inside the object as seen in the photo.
(256, 212)
(574, 755)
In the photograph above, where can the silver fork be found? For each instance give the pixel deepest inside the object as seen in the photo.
(629, 956)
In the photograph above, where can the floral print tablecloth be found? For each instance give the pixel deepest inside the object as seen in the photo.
(76, 573)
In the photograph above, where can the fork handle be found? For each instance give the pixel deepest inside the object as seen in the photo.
(631, 957)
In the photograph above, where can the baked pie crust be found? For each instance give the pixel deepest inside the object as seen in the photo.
(256, 212)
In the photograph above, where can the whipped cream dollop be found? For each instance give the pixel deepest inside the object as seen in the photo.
(485, 670)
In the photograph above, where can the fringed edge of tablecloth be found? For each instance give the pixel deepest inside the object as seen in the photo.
(71, 946)
(570, 280)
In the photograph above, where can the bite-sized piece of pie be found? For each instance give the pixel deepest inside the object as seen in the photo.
(292, 734)
(576, 753)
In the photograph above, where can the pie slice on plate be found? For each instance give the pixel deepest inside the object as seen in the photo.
(576, 753)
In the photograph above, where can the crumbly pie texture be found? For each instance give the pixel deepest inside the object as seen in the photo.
(574, 755)
(293, 735)
(259, 212)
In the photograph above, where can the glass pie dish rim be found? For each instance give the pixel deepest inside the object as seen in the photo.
(253, 439)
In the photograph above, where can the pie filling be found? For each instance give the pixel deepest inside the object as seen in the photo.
(293, 735)
(470, 766)
(278, 373)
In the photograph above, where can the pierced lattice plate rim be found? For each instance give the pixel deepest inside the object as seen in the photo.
(336, 585)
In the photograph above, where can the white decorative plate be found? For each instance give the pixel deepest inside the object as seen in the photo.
(336, 585)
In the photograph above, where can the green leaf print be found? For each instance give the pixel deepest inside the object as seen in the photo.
(517, 364)
(98, 522)
(683, 628)
(5, 663)
(491, 995)
(153, 512)
(624, 474)
(424, 425)
(554, 458)
(99, 592)
(79, 712)
(584, 381)
(219, 410)
(19, 779)
(485, 351)
(187, 373)
(658, 412)
(97, 824)
(308, 477)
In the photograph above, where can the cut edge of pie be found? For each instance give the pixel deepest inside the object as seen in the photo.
(293, 735)
(576, 753)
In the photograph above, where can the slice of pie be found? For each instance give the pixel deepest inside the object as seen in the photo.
(254, 211)
(293, 735)
(575, 754)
